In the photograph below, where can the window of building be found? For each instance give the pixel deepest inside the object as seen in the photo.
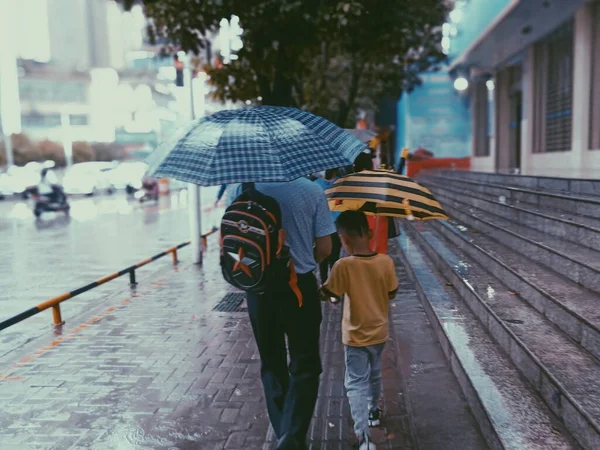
(481, 119)
(79, 119)
(554, 90)
(38, 120)
(595, 97)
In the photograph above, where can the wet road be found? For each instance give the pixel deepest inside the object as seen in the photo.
(55, 254)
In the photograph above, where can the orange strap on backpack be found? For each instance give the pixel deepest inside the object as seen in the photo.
(294, 284)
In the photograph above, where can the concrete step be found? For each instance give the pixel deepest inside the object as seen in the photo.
(572, 186)
(559, 370)
(584, 206)
(576, 262)
(574, 309)
(510, 414)
(502, 199)
(552, 224)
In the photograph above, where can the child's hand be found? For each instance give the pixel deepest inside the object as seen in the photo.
(335, 300)
(323, 295)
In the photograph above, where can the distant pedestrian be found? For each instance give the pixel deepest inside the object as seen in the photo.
(368, 281)
(283, 311)
(331, 176)
(220, 194)
(378, 225)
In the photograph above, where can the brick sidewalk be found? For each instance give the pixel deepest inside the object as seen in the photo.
(161, 370)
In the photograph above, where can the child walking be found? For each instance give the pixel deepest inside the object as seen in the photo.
(368, 281)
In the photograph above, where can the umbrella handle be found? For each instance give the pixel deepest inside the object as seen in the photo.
(403, 158)
(407, 209)
(376, 233)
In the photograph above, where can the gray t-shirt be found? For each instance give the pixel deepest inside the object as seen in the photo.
(305, 215)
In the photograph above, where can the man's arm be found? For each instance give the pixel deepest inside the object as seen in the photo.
(323, 226)
(335, 284)
(323, 247)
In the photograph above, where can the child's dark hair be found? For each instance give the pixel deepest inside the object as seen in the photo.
(353, 223)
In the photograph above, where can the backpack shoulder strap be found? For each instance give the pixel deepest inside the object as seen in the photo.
(266, 201)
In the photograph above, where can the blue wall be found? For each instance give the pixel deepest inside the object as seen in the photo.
(477, 15)
(434, 116)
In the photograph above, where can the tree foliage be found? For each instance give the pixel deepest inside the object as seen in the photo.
(27, 150)
(328, 56)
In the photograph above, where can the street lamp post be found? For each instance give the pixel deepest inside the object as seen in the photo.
(185, 97)
(10, 104)
(65, 121)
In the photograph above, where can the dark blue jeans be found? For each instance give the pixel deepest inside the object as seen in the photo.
(290, 391)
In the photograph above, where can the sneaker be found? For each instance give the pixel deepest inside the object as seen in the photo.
(375, 417)
(365, 443)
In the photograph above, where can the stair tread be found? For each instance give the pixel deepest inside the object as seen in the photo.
(572, 295)
(547, 211)
(518, 414)
(575, 368)
(521, 419)
(541, 191)
(574, 251)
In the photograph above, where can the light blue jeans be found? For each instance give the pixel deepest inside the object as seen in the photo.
(363, 383)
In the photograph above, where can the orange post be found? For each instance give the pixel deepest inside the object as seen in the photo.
(56, 316)
(175, 260)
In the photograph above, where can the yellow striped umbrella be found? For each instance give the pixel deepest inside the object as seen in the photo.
(384, 193)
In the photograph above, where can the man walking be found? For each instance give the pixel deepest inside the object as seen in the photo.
(291, 391)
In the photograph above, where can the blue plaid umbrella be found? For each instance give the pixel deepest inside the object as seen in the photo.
(259, 144)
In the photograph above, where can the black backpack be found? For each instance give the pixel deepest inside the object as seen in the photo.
(253, 251)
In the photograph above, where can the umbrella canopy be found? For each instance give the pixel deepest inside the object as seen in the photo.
(259, 144)
(384, 193)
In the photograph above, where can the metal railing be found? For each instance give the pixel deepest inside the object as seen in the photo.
(55, 302)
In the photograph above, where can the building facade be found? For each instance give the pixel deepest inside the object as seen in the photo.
(529, 74)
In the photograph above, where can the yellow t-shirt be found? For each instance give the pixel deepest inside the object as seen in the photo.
(367, 282)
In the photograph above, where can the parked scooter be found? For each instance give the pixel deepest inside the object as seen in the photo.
(54, 202)
(149, 190)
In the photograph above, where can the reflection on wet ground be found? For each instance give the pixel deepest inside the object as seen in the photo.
(57, 253)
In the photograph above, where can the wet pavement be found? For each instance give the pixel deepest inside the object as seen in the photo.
(44, 258)
(157, 367)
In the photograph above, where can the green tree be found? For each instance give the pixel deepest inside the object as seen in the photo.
(25, 150)
(53, 151)
(83, 152)
(324, 55)
(108, 151)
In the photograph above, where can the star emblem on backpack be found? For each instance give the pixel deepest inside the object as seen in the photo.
(242, 262)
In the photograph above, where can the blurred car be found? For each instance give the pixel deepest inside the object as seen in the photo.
(17, 180)
(89, 178)
(128, 175)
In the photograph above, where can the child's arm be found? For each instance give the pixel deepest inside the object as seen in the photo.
(336, 283)
(325, 294)
(392, 280)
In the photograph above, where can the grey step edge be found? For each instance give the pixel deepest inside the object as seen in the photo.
(585, 206)
(584, 274)
(580, 329)
(580, 186)
(511, 416)
(562, 228)
(580, 424)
